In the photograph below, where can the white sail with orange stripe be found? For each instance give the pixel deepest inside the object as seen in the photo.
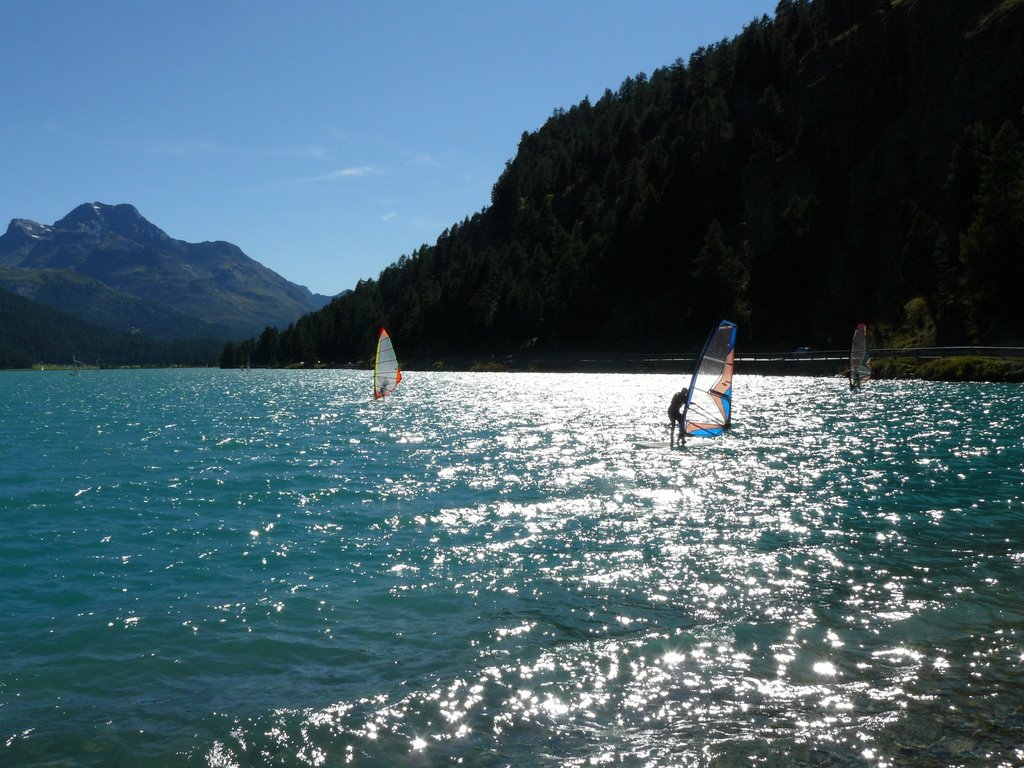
(386, 371)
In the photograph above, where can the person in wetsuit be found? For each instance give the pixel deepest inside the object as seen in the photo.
(675, 415)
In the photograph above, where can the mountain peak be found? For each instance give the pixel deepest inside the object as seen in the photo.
(27, 230)
(214, 282)
(99, 218)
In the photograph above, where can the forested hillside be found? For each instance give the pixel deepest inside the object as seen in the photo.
(32, 333)
(96, 303)
(844, 161)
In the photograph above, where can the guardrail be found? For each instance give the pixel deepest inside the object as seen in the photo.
(813, 361)
(922, 353)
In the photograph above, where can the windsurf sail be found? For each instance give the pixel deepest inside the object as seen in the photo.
(860, 365)
(708, 409)
(386, 373)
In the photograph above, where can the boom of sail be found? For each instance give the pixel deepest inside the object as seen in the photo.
(860, 365)
(708, 409)
(386, 373)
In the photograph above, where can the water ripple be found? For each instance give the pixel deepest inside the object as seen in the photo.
(269, 568)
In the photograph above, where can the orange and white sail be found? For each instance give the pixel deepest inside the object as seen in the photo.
(386, 372)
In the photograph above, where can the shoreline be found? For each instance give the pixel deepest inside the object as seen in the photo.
(986, 365)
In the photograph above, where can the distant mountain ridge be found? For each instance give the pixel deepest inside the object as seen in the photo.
(197, 288)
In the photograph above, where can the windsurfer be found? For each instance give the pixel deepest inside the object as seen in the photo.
(675, 415)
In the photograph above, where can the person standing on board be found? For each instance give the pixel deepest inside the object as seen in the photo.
(675, 415)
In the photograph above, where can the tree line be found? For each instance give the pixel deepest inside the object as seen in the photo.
(787, 179)
(32, 333)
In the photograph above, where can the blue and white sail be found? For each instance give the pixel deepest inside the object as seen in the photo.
(708, 409)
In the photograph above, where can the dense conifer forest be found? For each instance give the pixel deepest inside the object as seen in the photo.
(32, 333)
(843, 161)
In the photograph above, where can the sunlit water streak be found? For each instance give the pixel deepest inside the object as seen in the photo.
(267, 568)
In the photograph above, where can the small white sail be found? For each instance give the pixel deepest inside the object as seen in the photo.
(860, 364)
(386, 372)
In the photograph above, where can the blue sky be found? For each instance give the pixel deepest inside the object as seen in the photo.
(326, 139)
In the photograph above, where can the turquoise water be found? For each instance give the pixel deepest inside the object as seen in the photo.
(220, 568)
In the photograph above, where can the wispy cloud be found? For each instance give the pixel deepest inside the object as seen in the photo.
(347, 173)
(425, 225)
(424, 158)
(178, 147)
(389, 216)
(354, 172)
(185, 147)
(182, 148)
(306, 153)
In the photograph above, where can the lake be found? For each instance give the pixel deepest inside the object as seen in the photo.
(268, 568)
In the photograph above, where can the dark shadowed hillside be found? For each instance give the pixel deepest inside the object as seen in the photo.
(94, 302)
(32, 333)
(844, 161)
